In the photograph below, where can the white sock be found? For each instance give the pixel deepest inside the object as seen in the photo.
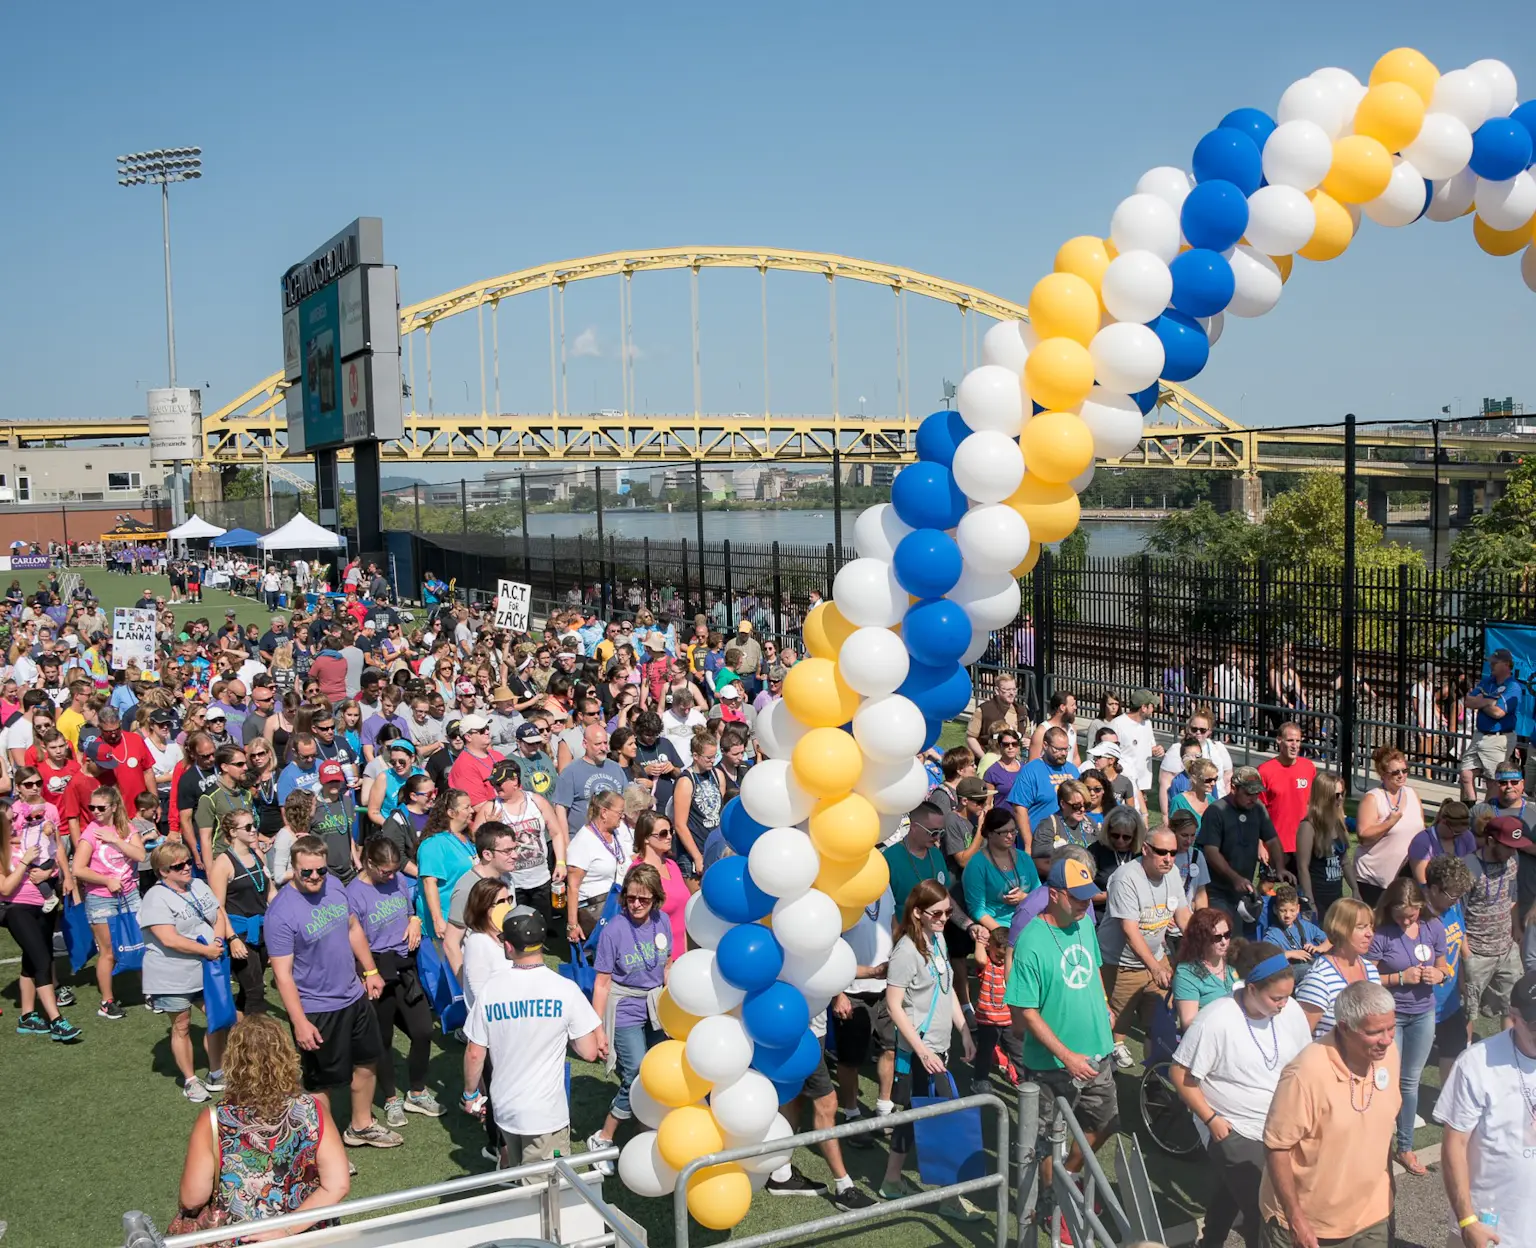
(884, 1107)
(842, 1185)
(851, 1114)
(783, 1174)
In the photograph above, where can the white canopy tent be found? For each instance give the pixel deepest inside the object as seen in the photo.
(302, 533)
(195, 528)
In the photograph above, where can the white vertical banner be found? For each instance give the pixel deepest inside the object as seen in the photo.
(512, 605)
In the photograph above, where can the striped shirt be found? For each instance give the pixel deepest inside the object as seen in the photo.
(1322, 986)
(990, 1006)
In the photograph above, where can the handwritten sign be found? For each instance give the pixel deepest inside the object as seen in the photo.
(133, 638)
(512, 605)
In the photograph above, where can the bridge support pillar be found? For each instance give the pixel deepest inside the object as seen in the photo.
(1243, 494)
(1466, 500)
(1376, 501)
(1440, 507)
(207, 486)
(1493, 490)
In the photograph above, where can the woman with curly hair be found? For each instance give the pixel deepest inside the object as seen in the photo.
(268, 1148)
(1203, 971)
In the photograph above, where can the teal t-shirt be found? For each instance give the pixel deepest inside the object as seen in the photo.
(1056, 971)
(985, 885)
(444, 857)
(1192, 982)
(908, 872)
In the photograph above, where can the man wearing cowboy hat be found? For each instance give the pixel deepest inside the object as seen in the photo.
(504, 717)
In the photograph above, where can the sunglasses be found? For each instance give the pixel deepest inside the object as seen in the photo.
(1221, 935)
(632, 899)
(661, 834)
(100, 807)
(1076, 806)
(1162, 853)
(1502, 783)
(29, 784)
(1201, 732)
(1396, 771)
(324, 727)
(184, 865)
(1121, 838)
(243, 827)
(1010, 745)
(313, 873)
(938, 912)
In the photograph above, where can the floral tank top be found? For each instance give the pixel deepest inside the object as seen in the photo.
(267, 1169)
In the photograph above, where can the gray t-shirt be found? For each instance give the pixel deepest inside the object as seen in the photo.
(928, 991)
(578, 783)
(429, 732)
(460, 895)
(1133, 896)
(169, 973)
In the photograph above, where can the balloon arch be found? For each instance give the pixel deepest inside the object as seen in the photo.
(939, 566)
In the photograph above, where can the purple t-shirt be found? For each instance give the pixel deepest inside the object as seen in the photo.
(636, 956)
(312, 929)
(1426, 845)
(383, 910)
(1392, 951)
(1032, 907)
(1001, 779)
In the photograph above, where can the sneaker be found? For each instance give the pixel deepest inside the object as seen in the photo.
(64, 995)
(423, 1103)
(32, 1024)
(850, 1199)
(215, 1081)
(64, 1031)
(596, 1141)
(959, 1209)
(1123, 1058)
(148, 1005)
(394, 1112)
(51, 904)
(894, 1191)
(374, 1135)
(109, 1009)
(796, 1185)
(194, 1090)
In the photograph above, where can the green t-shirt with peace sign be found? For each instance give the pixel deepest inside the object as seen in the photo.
(1056, 971)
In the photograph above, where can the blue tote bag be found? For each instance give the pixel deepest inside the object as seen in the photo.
(78, 941)
(441, 985)
(949, 1147)
(578, 968)
(218, 995)
(127, 939)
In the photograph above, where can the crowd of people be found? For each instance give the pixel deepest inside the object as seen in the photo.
(355, 797)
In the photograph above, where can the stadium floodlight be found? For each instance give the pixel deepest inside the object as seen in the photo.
(160, 167)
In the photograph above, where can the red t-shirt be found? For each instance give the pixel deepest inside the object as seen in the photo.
(76, 797)
(56, 779)
(473, 776)
(135, 767)
(1287, 791)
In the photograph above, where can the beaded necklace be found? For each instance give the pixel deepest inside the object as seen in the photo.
(1270, 1060)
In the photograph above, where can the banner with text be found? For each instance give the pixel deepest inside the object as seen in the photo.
(512, 605)
(133, 638)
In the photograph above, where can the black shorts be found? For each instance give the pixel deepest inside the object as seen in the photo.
(1451, 1037)
(868, 1028)
(818, 1083)
(349, 1037)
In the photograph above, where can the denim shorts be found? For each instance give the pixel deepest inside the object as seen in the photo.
(168, 1003)
(101, 909)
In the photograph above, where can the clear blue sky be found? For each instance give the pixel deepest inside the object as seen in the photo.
(963, 140)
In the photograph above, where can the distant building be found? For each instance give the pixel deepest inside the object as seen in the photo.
(86, 474)
(864, 473)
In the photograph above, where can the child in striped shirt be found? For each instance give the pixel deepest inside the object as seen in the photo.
(996, 1043)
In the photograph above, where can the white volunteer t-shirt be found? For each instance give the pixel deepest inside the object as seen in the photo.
(1136, 742)
(870, 940)
(1490, 1095)
(1238, 1060)
(526, 1017)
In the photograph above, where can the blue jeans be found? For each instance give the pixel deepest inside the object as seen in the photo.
(1415, 1037)
(630, 1045)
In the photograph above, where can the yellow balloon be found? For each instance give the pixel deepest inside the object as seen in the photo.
(1030, 559)
(1050, 508)
(853, 885)
(719, 1196)
(686, 1134)
(843, 828)
(1285, 265)
(827, 762)
(1056, 445)
(1058, 374)
(675, 1020)
(1064, 305)
(667, 1076)
(817, 694)
(850, 916)
(1392, 113)
(1407, 65)
(1335, 228)
(1361, 169)
(825, 631)
(1085, 256)
(1500, 242)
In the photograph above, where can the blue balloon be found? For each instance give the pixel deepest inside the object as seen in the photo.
(791, 1064)
(926, 497)
(750, 957)
(1254, 122)
(1202, 282)
(1228, 155)
(933, 729)
(730, 893)
(1501, 148)
(739, 828)
(1146, 399)
(1185, 345)
(787, 1089)
(936, 630)
(776, 1018)
(927, 563)
(1214, 215)
(1526, 116)
(939, 692)
(1429, 195)
(939, 435)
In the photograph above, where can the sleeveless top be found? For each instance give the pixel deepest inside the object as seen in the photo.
(530, 864)
(246, 896)
(267, 809)
(704, 808)
(267, 1169)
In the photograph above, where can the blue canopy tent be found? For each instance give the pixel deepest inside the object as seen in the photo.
(236, 537)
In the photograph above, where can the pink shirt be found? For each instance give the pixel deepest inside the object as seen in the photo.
(107, 859)
(674, 903)
(28, 822)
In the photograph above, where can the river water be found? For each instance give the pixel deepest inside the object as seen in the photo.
(814, 528)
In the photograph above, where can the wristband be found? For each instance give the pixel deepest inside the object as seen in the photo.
(1466, 1222)
(370, 971)
(1214, 1115)
(559, 862)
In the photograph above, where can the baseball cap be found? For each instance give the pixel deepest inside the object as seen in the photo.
(1502, 656)
(971, 787)
(1522, 997)
(1105, 749)
(524, 930)
(730, 693)
(465, 689)
(744, 627)
(473, 723)
(162, 715)
(100, 753)
(229, 613)
(331, 772)
(1141, 697)
(529, 732)
(504, 770)
(214, 711)
(1508, 830)
(1076, 879)
(1247, 779)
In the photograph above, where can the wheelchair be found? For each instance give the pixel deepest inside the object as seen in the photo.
(1168, 1121)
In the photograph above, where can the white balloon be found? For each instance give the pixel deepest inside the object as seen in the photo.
(894, 786)
(990, 397)
(878, 531)
(719, 1048)
(808, 925)
(1083, 479)
(777, 730)
(643, 1170)
(1349, 90)
(763, 1166)
(1146, 223)
(697, 986)
(1281, 219)
(988, 466)
(824, 976)
(993, 537)
(646, 1107)
(1528, 266)
(1007, 344)
(889, 727)
(1443, 148)
(1127, 357)
(773, 796)
(1402, 203)
(868, 594)
(1316, 101)
(1136, 287)
(1452, 197)
(1168, 183)
(991, 599)
(873, 661)
(705, 927)
(1499, 79)
(1298, 154)
(980, 640)
(892, 826)
(1213, 326)
(783, 863)
(1114, 420)
(745, 1108)
(1257, 283)
(1506, 205)
(1464, 95)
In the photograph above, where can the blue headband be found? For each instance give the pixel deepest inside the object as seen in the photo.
(1271, 965)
